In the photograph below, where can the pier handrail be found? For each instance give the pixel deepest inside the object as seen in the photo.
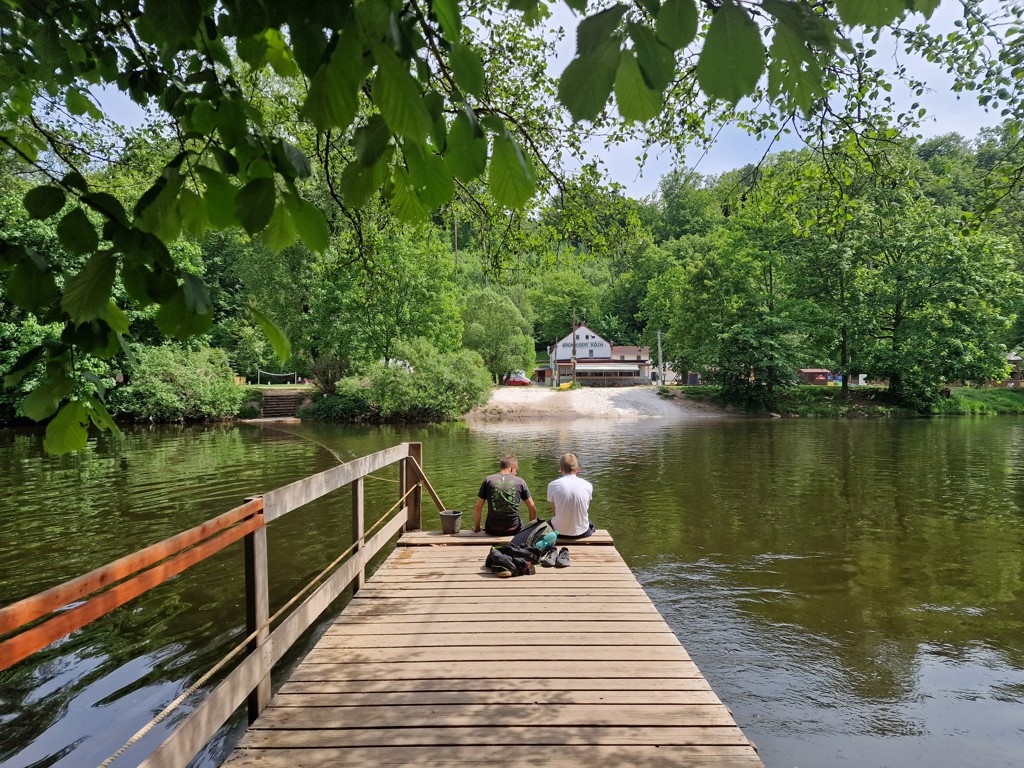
(114, 584)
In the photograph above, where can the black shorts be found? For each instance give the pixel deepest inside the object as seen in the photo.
(583, 535)
(499, 532)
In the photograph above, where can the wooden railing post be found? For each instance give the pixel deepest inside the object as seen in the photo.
(358, 528)
(257, 609)
(415, 499)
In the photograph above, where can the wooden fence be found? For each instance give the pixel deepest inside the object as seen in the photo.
(37, 621)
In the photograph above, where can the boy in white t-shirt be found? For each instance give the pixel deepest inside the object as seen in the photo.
(570, 497)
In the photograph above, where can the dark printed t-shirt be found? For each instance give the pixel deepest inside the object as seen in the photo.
(503, 493)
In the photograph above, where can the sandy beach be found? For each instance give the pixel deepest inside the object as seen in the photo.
(588, 402)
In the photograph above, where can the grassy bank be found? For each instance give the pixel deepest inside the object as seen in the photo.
(812, 401)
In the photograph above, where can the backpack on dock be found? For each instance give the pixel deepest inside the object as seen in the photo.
(518, 556)
(538, 537)
(507, 559)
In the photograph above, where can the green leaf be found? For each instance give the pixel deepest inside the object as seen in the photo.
(279, 55)
(101, 418)
(76, 233)
(252, 49)
(430, 176)
(398, 96)
(869, 13)
(448, 16)
(794, 71)
(157, 210)
(468, 69)
(657, 62)
(24, 365)
(593, 32)
(43, 401)
(68, 431)
(334, 92)
(31, 288)
(136, 277)
(407, 206)
(75, 180)
(254, 204)
(290, 161)
(43, 202)
(220, 197)
(174, 318)
(87, 293)
(677, 23)
(510, 178)
(927, 7)
(197, 296)
(277, 339)
(357, 184)
(466, 151)
(107, 205)
(733, 57)
(586, 83)
(192, 210)
(171, 24)
(280, 232)
(115, 318)
(370, 140)
(310, 224)
(636, 101)
(79, 103)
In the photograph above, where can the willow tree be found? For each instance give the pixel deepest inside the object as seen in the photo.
(405, 85)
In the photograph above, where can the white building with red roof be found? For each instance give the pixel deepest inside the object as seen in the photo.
(596, 362)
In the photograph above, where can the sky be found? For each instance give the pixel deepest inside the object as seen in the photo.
(734, 148)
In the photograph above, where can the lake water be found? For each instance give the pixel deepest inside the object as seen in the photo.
(853, 590)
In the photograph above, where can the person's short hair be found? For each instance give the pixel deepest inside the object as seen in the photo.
(569, 463)
(508, 462)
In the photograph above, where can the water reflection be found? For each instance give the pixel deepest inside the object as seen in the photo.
(853, 590)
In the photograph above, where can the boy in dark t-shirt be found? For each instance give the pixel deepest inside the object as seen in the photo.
(503, 492)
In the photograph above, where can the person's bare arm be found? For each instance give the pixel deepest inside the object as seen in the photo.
(476, 515)
(533, 509)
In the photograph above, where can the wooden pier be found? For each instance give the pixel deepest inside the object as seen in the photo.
(434, 661)
(438, 662)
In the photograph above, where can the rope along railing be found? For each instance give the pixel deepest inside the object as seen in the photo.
(241, 646)
(43, 618)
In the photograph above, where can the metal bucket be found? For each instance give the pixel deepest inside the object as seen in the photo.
(450, 519)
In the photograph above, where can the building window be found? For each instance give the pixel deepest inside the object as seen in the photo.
(591, 353)
(622, 357)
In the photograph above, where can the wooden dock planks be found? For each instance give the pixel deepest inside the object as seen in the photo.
(438, 662)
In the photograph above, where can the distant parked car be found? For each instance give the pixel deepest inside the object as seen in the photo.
(518, 379)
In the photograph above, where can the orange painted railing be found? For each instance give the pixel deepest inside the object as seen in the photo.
(37, 621)
(130, 576)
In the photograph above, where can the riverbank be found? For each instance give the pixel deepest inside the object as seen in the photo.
(828, 402)
(592, 403)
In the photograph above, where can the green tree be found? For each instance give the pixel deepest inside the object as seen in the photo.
(556, 297)
(496, 330)
(685, 206)
(937, 302)
(624, 299)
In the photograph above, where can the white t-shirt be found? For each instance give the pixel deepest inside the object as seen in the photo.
(571, 495)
